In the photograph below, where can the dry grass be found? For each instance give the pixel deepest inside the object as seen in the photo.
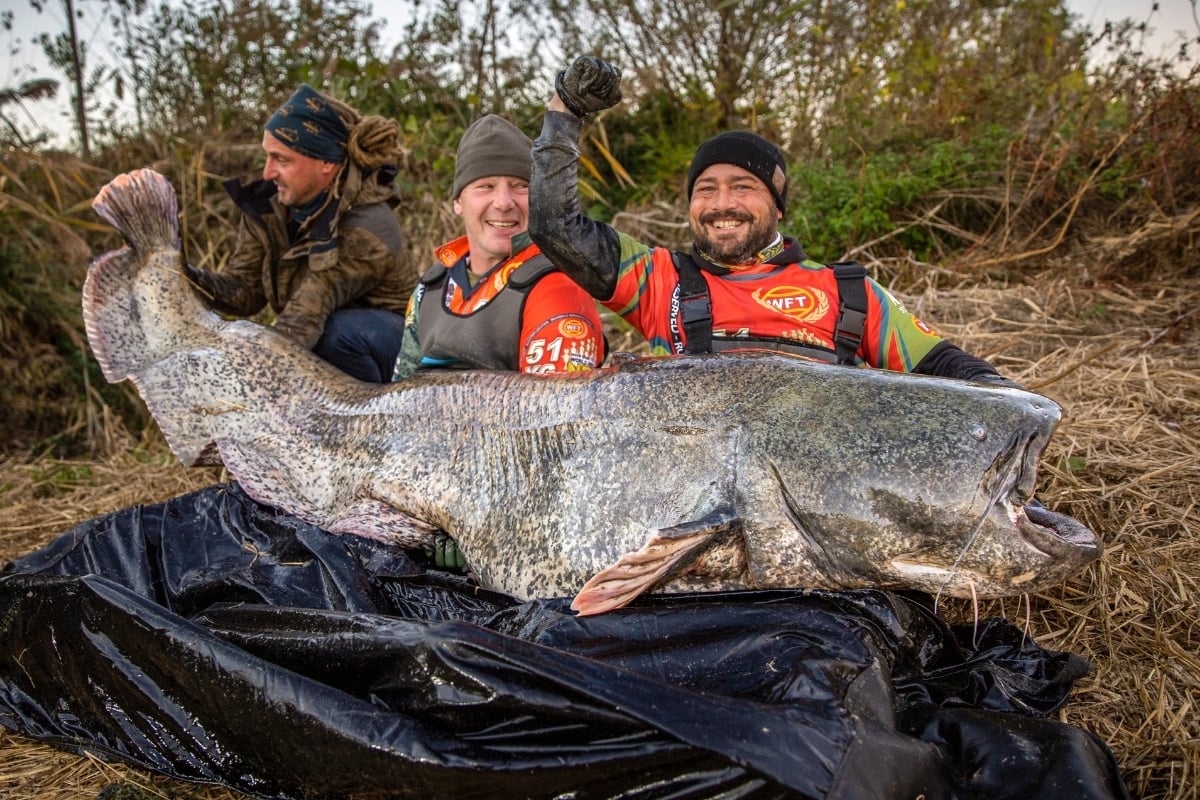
(1122, 361)
(1125, 365)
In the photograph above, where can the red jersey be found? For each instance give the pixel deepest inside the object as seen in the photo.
(789, 302)
(541, 324)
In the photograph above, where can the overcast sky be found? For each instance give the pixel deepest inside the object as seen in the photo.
(1173, 19)
(21, 59)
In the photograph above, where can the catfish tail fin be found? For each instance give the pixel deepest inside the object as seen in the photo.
(142, 206)
(137, 304)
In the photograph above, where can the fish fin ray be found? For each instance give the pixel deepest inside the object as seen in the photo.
(666, 551)
(108, 306)
(141, 205)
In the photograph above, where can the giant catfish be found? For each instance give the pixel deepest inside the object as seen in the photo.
(738, 470)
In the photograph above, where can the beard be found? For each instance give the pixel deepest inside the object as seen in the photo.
(758, 235)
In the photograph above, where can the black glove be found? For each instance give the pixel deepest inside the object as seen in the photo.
(589, 85)
(445, 554)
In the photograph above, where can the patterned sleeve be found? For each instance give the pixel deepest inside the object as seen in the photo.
(236, 290)
(894, 338)
(643, 292)
(363, 259)
(409, 358)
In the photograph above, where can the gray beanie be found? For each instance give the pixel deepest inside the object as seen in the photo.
(491, 146)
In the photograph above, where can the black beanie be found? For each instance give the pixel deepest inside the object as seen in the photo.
(749, 151)
(491, 146)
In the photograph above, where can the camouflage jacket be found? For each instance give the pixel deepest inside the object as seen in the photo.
(349, 254)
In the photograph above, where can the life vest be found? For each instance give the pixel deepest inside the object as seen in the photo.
(696, 313)
(487, 338)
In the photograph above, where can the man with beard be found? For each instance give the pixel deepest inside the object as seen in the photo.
(743, 284)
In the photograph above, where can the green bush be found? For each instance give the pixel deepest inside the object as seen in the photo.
(838, 205)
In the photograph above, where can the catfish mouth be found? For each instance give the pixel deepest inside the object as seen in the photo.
(1054, 544)
(1056, 535)
(1060, 542)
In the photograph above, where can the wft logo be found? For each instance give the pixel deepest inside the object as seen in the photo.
(794, 302)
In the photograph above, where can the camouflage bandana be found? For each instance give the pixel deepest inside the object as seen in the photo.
(308, 124)
(772, 250)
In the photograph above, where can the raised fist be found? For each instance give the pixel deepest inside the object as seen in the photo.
(590, 84)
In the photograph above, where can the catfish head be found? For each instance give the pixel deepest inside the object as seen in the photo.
(932, 491)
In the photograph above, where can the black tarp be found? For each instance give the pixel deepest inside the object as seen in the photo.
(214, 639)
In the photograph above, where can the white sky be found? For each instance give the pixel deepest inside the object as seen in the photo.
(1172, 21)
(21, 59)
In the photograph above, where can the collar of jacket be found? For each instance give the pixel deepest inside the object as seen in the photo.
(255, 197)
(792, 253)
(454, 250)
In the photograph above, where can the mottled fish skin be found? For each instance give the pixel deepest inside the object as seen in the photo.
(731, 471)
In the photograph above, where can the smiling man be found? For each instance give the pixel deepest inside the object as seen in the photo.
(492, 300)
(319, 241)
(743, 284)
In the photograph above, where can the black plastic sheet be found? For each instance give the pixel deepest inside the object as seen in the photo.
(214, 639)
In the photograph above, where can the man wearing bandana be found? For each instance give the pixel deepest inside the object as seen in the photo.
(319, 241)
(743, 284)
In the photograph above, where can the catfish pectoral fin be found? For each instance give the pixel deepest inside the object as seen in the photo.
(667, 551)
